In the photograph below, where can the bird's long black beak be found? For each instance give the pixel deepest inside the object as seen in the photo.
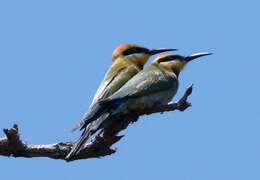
(196, 55)
(157, 51)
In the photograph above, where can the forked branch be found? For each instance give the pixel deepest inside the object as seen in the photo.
(101, 145)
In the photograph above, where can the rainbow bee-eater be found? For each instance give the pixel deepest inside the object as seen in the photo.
(155, 85)
(127, 61)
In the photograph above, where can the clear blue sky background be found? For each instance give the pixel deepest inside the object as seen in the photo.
(53, 55)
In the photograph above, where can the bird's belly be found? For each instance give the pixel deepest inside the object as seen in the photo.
(147, 102)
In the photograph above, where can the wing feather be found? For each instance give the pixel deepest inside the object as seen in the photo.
(148, 81)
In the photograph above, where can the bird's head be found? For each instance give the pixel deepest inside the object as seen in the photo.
(175, 63)
(137, 54)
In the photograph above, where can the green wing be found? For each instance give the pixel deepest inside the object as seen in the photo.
(114, 79)
(104, 90)
(149, 81)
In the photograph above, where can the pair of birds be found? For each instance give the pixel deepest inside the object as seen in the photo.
(127, 87)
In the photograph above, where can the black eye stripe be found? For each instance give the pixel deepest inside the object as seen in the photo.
(170, 58)
(135, 50)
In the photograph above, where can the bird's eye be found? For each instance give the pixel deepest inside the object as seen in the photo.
(135, 50)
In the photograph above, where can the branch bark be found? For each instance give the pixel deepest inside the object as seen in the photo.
(101, 145)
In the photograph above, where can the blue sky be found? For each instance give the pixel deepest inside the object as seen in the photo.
(53, 55)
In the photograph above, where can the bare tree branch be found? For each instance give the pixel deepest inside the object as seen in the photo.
(101, 145)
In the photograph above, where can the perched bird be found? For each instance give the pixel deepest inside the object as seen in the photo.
(153, 86)
(127, 61)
